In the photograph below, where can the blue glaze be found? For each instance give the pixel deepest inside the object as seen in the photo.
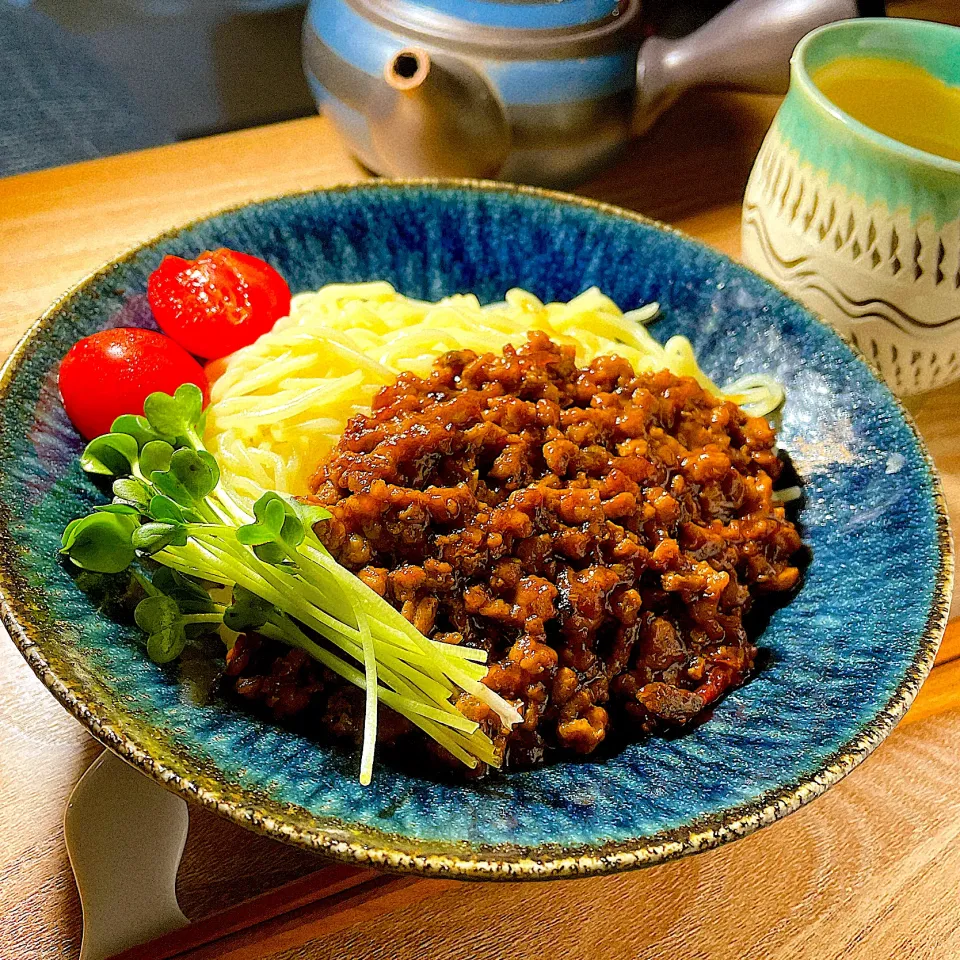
(320, 92)
(559, 81)
(355, 39)
(369, 47)
(525, 14)
(838, 651)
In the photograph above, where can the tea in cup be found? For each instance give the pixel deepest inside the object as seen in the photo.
(853, 205)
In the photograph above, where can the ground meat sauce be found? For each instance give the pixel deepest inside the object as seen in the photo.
(601, 534)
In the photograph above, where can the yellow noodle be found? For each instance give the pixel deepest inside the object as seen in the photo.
(282, 403)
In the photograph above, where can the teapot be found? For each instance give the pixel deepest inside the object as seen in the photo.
(545, 92)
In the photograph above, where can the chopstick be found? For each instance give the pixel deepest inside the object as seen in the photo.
(317, 905)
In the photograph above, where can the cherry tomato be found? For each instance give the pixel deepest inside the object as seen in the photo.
(217, 303)
(215, 369)
(112, 372)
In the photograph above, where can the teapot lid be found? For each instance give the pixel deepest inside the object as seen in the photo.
(527, 14)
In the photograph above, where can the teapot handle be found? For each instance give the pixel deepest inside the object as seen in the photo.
(746, 46)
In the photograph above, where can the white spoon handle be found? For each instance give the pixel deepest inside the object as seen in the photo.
(125, 836)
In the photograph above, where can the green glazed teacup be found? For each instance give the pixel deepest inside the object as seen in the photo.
(860, 227)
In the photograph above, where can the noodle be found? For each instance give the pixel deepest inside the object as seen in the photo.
(283, 402)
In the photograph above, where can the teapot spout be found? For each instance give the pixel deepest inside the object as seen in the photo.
(437, 116)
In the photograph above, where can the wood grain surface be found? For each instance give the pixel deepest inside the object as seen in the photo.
(871, 870)
(868, 872)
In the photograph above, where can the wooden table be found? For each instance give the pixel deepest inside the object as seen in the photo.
(869, 871)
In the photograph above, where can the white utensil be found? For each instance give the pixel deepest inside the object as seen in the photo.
(125, 837)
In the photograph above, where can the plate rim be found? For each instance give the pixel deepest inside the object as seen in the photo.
(273, 819)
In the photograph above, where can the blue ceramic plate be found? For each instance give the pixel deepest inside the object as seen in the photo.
(846, 656)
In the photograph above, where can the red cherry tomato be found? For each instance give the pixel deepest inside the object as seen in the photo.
(215, 369)
(218, 303)
(114, 371)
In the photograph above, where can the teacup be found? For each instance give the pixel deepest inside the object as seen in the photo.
(861, 227)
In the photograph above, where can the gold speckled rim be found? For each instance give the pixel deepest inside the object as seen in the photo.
(295, 825)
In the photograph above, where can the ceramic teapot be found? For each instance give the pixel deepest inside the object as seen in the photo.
(535, 92)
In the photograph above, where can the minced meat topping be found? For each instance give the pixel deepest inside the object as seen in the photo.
(600, 533)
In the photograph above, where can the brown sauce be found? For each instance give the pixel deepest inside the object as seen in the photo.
(601, 534)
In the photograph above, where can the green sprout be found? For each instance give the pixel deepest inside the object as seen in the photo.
(170, 506)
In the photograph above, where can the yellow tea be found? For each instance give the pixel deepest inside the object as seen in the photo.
(900, 100)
